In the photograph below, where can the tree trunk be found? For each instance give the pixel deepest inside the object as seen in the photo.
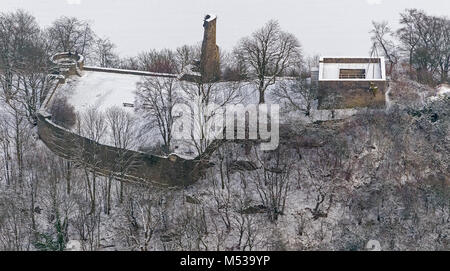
(108, 196)
(261, 97)
(68, 177)
(261, 89)
(121, 193)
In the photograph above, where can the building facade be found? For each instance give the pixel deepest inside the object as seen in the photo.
(351, 82)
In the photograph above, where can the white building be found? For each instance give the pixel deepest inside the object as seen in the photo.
(352, 68)
(351, 82)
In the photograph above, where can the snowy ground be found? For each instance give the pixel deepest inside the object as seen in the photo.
(101, 90)
(443, 89)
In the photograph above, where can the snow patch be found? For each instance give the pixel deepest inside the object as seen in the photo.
(443, 89)
(73, 245)
(211, 17)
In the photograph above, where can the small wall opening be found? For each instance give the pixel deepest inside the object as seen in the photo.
(352, 74)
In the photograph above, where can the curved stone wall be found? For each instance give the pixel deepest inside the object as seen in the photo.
(127, 165)
(69, 63)
(172, 171)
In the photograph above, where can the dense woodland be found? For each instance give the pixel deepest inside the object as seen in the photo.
(330, 185)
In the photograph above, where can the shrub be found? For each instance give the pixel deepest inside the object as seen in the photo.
(63, 113)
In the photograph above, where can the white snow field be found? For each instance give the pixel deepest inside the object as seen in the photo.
(101, 90)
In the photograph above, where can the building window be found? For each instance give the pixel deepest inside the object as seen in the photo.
(352, 74)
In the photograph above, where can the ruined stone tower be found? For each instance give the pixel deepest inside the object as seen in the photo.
(209, 62)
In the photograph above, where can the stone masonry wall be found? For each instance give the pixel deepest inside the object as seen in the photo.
(209, 62)
(350, 94)
(139, 167)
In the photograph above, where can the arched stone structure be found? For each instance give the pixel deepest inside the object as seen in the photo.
(69, 63)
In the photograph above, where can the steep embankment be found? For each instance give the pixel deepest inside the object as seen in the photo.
(379, 175)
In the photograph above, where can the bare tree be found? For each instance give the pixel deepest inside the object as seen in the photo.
(425, 40)
(121, 125)
(104, 53)
(297, 94)
(93, 126)
(48, 197)
(408, 37)
(69, 34)
(156, 98)
(163, 61)
(17, 136)
(269, 53)
(24, 55)
(143, 220)
(312, 62)
(272, 181)
(86, 222)
(324, 174)
(5, 140)
(382, 38)
(245, 225)
(222, 195)
(186, 55)
(14, 223)
(206, 102)
(192, 228)
(128, 63)
(63, 113)
(234, 68)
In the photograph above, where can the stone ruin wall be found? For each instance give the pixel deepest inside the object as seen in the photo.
(350, 94)
(139, 167)
(68, 63)
(346, 94)
(210, 59)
